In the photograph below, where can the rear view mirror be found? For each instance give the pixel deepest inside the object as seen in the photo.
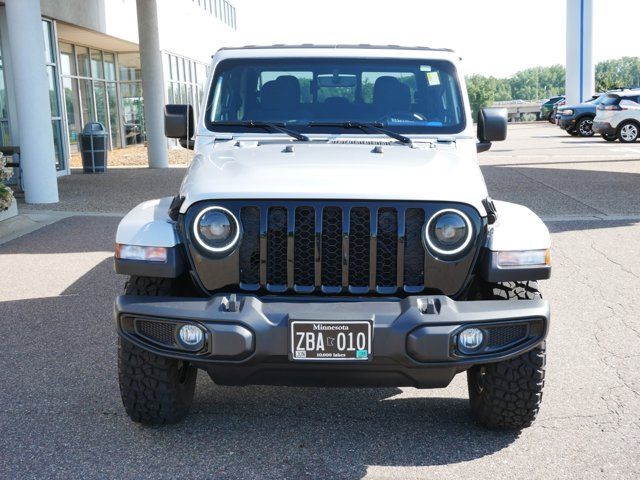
(336, 80)
(178, 121)
(492, 127)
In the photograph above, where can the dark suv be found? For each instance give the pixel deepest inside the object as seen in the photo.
(577, 120)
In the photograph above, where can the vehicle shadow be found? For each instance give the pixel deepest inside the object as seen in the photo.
(334, 433)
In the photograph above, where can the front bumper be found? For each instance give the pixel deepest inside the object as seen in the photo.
(566, 123)
(414, 339)
(603, 128)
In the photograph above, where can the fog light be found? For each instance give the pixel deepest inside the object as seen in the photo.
(191, 336)
(470, 339)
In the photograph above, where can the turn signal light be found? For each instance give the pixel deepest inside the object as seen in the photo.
(137, 252)
(524, 258)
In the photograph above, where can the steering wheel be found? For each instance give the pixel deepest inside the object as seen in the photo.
(402, 116)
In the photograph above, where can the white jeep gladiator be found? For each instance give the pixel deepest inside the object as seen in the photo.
(333, 229)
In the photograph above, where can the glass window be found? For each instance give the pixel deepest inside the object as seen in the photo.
(166, 66)
(53, 92)
(129, 66)
(3, 94)
(74, 123)
(174, 67)
(132, 112)
(404, 95)
(86, 99)
(5, 137)
(181, 76)
(101, 104)
(57, 143)
(109, 66)
(84, 63)
(67, 60)
(96, 64)
(48, 46)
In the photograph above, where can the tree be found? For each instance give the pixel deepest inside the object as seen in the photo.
(538, 83)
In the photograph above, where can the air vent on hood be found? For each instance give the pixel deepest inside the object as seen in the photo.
(358, 141)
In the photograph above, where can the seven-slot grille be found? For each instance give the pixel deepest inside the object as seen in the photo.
(332, 248)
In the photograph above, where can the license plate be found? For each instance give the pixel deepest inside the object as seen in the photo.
(331, 341)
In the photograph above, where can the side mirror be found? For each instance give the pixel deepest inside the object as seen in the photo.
(178, 121)
(492, 127)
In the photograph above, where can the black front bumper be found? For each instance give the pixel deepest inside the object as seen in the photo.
(414, 340)
(567, 123)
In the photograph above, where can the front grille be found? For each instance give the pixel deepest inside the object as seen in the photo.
(332, 248)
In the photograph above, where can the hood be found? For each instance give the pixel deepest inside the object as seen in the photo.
(322, 170)
(580, 106)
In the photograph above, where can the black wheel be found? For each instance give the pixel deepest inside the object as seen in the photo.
(628, 132)
(507, 394)
(609, 138)
(584, 127)
(573, 132)
(155, 390)
(550, 118)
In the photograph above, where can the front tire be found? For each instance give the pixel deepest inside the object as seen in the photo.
(585, 127)
(628, 132)
(507, 395)
(155, 390)
(609, 138)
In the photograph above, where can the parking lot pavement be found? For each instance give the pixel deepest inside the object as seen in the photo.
(61, 416)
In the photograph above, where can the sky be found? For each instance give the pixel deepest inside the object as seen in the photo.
(493, 37)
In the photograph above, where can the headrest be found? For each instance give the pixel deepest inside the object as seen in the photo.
(391, 95)
(281, 93)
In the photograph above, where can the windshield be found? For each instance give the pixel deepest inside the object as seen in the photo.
(408, 96)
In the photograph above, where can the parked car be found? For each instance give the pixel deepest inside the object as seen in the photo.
(618, 116)
(334, 228)
(578, 119)
(546, 109)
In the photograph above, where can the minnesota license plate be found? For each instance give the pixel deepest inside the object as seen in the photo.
(331, 341)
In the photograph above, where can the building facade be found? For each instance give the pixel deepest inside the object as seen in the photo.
(92, 64)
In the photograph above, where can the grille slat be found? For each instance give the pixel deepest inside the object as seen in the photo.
(331, 247)
(386, 260)
(250, 247)
(359, 235)
(358, 249)
(303, 247)
(277, 246)
(414, 250)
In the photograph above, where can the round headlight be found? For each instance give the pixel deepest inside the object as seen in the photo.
(448, 232)
(216, 229)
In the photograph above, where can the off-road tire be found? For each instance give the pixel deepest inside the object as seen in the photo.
(507, 395)
(155, 390)
(149, 286)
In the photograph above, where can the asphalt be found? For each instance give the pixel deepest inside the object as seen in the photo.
(61, 415)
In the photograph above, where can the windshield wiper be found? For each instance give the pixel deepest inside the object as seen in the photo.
(365, 127)
(274, 127)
